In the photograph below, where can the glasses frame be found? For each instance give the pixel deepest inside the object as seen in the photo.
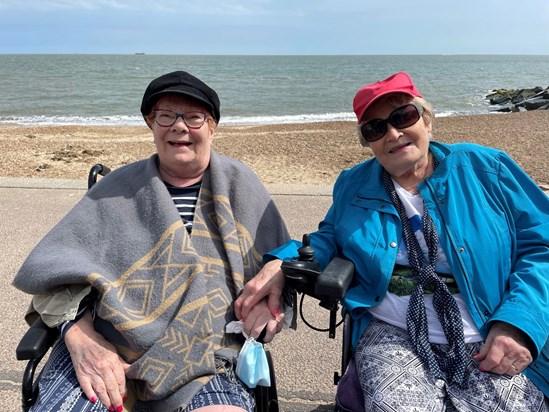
(182, 116)
(390, 120)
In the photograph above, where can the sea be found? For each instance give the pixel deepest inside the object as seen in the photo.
(81, 89)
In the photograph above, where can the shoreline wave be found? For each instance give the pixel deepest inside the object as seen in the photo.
(42, 120)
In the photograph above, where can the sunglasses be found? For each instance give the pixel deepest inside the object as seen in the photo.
(400, 118)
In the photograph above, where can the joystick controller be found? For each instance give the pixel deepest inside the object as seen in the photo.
(303, 274)
(302, 271)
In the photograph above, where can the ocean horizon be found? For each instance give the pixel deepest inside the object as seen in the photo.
(81, 89)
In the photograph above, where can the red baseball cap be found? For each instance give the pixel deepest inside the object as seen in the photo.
(397, 83)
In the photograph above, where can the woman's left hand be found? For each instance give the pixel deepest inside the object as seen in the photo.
(260, 318)
(505, 350)
(268, 283)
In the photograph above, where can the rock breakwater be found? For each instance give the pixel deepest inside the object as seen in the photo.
(516, 100)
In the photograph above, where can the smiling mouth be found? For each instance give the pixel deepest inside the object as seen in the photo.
(396, 149)
(180, 144)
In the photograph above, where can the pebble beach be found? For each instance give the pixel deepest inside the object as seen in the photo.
(306, 153)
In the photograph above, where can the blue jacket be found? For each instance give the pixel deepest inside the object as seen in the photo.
(493, 224)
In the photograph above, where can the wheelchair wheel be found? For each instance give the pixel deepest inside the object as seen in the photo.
(266, 398)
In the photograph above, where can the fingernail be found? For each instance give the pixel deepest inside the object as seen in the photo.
(482, 370)
(120, 408)
(93, 399)
(124, 398)
(111, 408)
(276, 312)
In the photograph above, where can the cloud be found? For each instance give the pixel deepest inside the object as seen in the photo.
(206, 7)
(274, 26)
(38, 5)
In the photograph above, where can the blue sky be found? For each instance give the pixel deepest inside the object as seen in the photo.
(275, 26)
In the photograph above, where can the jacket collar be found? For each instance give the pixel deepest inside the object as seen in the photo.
(371, 180)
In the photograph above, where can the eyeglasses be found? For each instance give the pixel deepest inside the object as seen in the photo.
(166, 118)
(400, 118)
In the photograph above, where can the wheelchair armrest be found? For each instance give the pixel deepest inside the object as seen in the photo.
(334, 281)
(95, 170)
(36, 341)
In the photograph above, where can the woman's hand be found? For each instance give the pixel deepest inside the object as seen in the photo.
(99, 368)
(505, 350)
(260, 318)
(268, 282)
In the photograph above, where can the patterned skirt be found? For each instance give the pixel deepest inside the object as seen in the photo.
(59, 390)
(393, 378)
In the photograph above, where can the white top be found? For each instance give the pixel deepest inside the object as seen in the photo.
(393, 308)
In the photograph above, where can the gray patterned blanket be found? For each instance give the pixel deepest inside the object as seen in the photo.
(164, 296)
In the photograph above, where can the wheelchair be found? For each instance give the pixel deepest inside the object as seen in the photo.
(39, 338)
(303, 274)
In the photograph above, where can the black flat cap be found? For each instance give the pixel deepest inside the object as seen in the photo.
(183, 83)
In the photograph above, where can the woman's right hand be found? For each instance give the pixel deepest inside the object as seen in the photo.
(99, 368)
(261, 319)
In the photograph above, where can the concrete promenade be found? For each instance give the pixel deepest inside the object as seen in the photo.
(304, 359)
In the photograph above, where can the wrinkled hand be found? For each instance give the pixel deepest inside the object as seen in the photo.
(269, 282)
(260, 318)
(99, 368)
(505, 351)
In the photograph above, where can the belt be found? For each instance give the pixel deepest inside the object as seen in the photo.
(403, 282)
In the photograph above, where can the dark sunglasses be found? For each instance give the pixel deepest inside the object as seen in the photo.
(400, 118)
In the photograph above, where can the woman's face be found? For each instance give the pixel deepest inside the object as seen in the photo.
(399, 151)
(184, 153)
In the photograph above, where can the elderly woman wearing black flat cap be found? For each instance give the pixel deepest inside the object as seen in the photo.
(141, 274)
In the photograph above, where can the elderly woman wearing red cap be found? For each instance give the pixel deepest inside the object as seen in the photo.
(450, 299)
(141, 274)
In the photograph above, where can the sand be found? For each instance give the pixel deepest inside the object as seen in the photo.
(310, 153)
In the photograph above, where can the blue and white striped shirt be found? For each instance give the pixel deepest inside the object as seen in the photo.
(185, 199)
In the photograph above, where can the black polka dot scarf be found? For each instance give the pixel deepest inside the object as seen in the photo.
(452, 361)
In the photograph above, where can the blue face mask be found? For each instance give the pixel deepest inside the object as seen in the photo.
(252, 366)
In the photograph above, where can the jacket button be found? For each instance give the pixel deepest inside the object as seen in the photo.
(441, 201)
(393, 244)
(486, 313)
(461, 250)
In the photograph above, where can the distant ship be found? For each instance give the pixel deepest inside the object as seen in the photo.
(139, 54)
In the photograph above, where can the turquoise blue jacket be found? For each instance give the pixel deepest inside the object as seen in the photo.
(493, 224)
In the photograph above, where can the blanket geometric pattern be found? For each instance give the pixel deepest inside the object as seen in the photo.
(164, 296)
